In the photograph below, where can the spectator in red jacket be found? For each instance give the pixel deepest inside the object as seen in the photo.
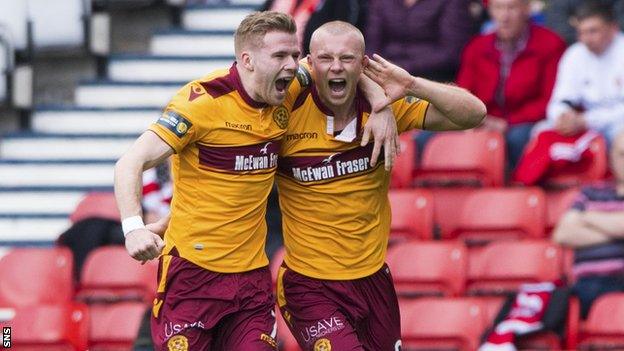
(513, 71)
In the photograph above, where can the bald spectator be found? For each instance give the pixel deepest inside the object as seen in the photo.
(594, 228)
(512, 71)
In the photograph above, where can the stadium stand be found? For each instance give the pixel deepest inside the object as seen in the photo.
(463, 158)
(429, 268)
(604, 328)
(558, 201)
(114, 327)
(405, 164)
(412, 214)
(481, 215)
(441, 324)
(59, 327)
(110, 274)
(52, 267)
(500, 267)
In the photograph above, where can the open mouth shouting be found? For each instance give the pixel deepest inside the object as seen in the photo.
(281, 84)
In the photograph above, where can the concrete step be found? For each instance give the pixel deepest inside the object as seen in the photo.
(148, 68)
(64, 147)
(180, 42)
(19, 231)
(208, 17)
(85, 120)
(56, 173)
(46, 201)
(112, 94)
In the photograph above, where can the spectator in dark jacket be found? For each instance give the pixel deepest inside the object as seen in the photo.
(423, 36)
(512, 71)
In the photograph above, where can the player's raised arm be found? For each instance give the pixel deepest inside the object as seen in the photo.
(146, 152)
(452, 108)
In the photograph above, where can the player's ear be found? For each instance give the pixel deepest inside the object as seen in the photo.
(247, 61)
(365, 61)
(309, 59)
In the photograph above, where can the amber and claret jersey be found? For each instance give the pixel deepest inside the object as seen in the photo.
(226, 149)
(335, 207)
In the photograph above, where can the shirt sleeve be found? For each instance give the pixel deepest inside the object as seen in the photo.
(410, 113)
(580, 201)
(177, 125)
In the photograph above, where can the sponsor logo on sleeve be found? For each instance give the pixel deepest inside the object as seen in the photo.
(175, 123)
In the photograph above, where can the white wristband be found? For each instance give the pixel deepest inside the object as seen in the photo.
(132, 223)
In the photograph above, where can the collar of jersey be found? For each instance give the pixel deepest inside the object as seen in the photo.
(236, 81)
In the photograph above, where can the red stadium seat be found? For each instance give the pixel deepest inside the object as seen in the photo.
(110, 274)
(500, 267)
(604, 327)
(557, 203)
(49, 327)
(114, 326)
(441, 324)
(96, 205)
(285, 338)
(412, 214)
(465, 158)
(403, 171)
(597, 170)
(29, 273)
(429, 268)
(482, 215)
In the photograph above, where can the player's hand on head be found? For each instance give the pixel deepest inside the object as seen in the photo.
(382, 126)
(143, 245)
(394, 80)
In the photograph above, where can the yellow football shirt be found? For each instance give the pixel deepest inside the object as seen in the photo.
(335, 208)
(226, 149)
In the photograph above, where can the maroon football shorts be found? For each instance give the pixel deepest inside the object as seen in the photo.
(343, 315)
(197, 309)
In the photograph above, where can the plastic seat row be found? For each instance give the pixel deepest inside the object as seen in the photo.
(472, 158)
(476, 215)
(39, 301)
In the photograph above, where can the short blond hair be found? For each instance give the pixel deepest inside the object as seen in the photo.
(255, 26)
(338, 28)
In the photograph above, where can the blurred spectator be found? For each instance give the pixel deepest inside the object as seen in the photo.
(560, 16)
(157, 192)
(594, 227)
(423, 36)
(588, 97)
(589, 91)
(512, 71)
(351, 11)
(311, 14)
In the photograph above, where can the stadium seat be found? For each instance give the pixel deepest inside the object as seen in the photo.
(285, 339)
(412, 214)
(49, 327)
(110, 274)
(596, 171)
(500, 267)
(428, 268)
(557, 203)
(604, 327)
(404, 165)
(28, 274)
(98, 205)
(463, 158)
(441, 324)
(114, 326)
(483, 215)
